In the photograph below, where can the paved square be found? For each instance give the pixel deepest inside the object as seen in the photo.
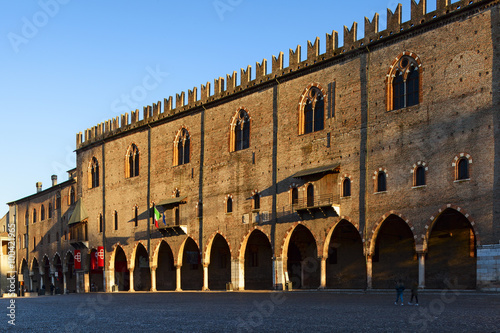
(307, 311)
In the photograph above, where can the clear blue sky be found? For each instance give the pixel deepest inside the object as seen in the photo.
(66, 68)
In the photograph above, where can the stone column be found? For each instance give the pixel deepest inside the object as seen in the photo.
(369, 272)
(131, 279)
(323, 273)
(178, 279)
(205, 276)
(65, 291)
(110, 277)
(153, 278)
(238, 273)
(86, 281)
(78, 283)
(421, 269)
(279, 284)
(31, 281)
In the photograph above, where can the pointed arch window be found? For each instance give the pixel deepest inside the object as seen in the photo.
(116, 220)
(346, 187)
(419, 176)
(462, 169)
(294, 196)
(42, 213)
(93, 173)
(310, 195)
(404, 82)
(240, 131)
(136, 216)
(100, 223)
(182, 147)
(34, 215)
(381, 182)
(312, 112)
(72, 195)
(229, 205)
(256, 201)
(132, 161)
(50, 210)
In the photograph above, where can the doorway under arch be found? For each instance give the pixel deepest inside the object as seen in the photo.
(165, 272)
(258, 262)
(122, 275)
(142, 272)
(394, 257)
(192, 270)
(303, 266)
(346, 264)
(219, 271)
(451, 255)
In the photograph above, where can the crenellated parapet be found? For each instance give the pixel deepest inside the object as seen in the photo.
(227, 86)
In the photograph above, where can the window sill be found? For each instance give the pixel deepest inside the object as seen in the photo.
(462, 180)
(346, 197)
(419, 187)
(381, 192)
(229, 213)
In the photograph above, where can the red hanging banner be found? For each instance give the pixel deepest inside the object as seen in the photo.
(93, 260)
(78, 259)
(100, 256)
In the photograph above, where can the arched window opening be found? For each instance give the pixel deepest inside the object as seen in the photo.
(136, 216)
(42, 213)
(310, 195)
(241, 131)
(404, 80)
(72, 196)
(419, 179)
(295, 196)
(381, 182)
(50, 210)
(229, 205)
(94, 173)
(132, 164)
(346, 187)
(100, 223)
(116, 220)
(182, 147)
(313, 111)
(462, 169)
(256, 201)
(34, 215)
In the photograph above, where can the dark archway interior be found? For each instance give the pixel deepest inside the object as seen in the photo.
(346, 264)
(192, 270)
(394, 257)
(258, 262)
(451, 257)
(219, 271)
(142, 272)
(70, 274)
(303, 265)
(165, 272)
(58, 277)
(96, 274)
(122, 275)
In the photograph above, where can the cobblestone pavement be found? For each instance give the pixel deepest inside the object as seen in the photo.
(301, 311)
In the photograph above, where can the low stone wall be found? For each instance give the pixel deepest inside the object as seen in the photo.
(488, 267)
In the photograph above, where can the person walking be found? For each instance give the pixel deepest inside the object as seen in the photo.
(414, 293)
(400, 287)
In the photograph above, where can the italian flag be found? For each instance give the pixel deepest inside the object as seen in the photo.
(157, 216)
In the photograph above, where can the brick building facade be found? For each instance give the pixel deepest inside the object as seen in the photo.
(374, 161)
